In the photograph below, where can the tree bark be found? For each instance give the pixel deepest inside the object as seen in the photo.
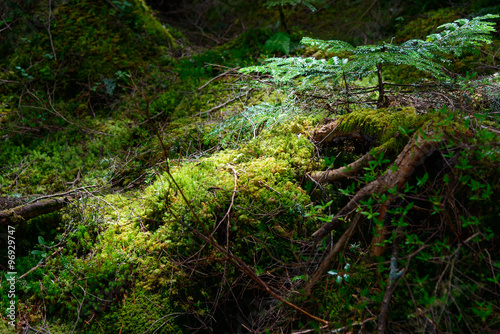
(21, 213)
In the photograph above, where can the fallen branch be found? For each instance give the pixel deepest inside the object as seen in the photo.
(413, 155)
(72, 191)
(25, 212)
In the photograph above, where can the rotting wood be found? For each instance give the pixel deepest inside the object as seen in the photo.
(414, 153)
(28, 211)
(328, 133)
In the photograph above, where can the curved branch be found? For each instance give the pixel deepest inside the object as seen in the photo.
(342, 172)
(413, 155)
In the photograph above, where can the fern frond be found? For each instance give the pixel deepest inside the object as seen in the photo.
(463, 34)
(328, 46)
(310, 70)
(299, 73)
(251, 121)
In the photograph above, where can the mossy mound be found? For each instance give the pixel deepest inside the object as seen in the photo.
(124, 264)
(267, 170)
(80, 48)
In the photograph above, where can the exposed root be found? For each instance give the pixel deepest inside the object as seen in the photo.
(423, 144)
(339, 245)
(343, 172)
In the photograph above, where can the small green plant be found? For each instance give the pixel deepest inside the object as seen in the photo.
(309, 3)
(279, 42)
(339, 276)
(43, 253)
(427, 55)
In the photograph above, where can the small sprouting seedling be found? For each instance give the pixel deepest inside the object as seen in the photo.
(41, 242)
(318, 210)
(341, 277)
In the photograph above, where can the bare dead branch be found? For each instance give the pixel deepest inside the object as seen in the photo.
(22, 213)
(339, 245)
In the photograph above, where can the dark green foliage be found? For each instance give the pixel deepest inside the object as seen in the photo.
(279, 42)
(425, 55)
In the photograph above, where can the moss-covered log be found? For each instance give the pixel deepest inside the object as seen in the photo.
(25, 212)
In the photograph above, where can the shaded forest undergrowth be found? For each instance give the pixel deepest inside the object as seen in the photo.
(199, 197)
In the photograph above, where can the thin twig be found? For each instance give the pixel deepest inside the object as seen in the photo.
(269, 187)
(48, 30)
(222, 105)
(230, 207)
(337, 330)
(58, 194)
(41, 264)
(217, 77)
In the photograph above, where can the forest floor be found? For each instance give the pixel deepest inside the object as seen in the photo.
(150, 185)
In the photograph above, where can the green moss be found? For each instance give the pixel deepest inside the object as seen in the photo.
(267, 172)
(91, 43)
(384, 125)
(139, 312)
(426, 24)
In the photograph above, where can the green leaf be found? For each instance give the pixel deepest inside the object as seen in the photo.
(41, 240)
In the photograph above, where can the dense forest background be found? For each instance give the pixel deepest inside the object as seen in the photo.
(229, 166)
